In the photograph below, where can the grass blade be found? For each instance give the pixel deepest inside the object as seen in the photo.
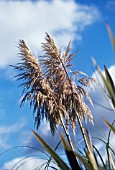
(70, 155)
(112, 165)
(84, 161)
(60, 162)
(110, 86)
(100, 156)
(111, 35)
(107, 81)
(90, 154)
(110, 125)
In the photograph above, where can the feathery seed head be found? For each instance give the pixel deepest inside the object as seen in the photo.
(51, 86)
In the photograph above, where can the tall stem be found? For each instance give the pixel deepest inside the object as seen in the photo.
(66, 132)
(82, 131)
(69, 139)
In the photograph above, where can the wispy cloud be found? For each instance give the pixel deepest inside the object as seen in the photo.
(110, 5)
(7, 132)
(44, 131)
(28, 20)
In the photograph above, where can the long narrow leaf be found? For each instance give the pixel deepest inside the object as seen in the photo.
(60, 162)
(110, 87)
(109, 78)
(92, 160)
(112, 165)
(112, 149)
(70, 155)
(89, 141)
(107, 81)
(100, 156)
(111, 35)
(84, 161)
(110, 125)
(90, 154)
(99, 70)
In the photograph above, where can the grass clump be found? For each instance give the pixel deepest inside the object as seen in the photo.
(56, 93)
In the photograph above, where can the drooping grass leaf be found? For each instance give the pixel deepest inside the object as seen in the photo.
(110, 125)
(104, 142)
(59, 161)
(100, 156)
(50, 159)
(30, 147)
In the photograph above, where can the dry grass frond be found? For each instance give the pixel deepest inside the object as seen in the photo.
(50, 85)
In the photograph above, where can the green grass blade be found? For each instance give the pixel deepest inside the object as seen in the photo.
(109, 78)
(110, 86)
(111, 147)
(70, 155)
(89, 141)
(92, 160)
(112, 165)
(50, 159)
(81, 158)
(53, 167)
(99, 70)
(110, 125)
(111, 35)
(59, 161)
(107, 81)
(90, 154)
(110, 159)
(101, 158)
(84, 161)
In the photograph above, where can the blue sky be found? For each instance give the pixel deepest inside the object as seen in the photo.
(81, 21)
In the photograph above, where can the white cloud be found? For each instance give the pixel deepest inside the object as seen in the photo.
(44, 132)
(31, 20)
(12, 128)
(7, 131)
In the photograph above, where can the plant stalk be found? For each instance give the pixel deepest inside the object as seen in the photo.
(69, 140)
(83, 132)
(66, 132)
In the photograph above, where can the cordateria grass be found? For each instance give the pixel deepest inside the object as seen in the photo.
(55, 92)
